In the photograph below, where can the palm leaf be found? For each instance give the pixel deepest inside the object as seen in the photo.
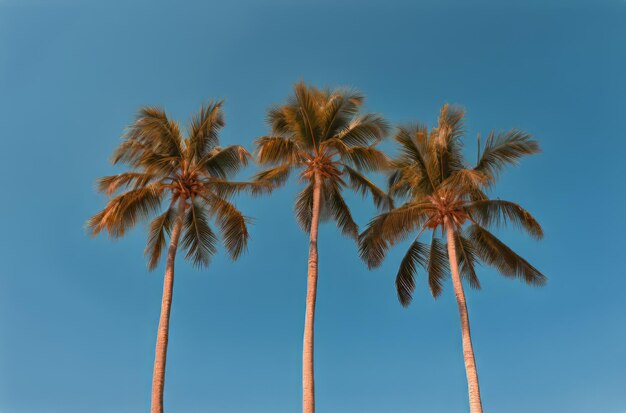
(496, 212)
(159, 227)
(505, 148)
(204, 129)
(417, 254)
(495, 253)
(363, 185)
(198, 238)
(438, 266)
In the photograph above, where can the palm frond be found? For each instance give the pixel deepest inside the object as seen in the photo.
(340, 108)
(339, 210)
(274, 150)
(224, 162)
(233, 225)
(198, 238)
(505, 148)
(204, 129)
(438, 267)
(365, 158)
(417, 254)
(159, 227)
(226, 189)
(467, 260)
(126, 210)
(155, 130)
(496, 212)
(135, 180)
(303, 207)
(276, 176)
(364, 130)
(363, 185)
(495, 253)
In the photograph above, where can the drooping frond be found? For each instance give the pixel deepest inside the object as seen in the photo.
(495, 253)
(159, 227)
(303, 207)
(198, 238)
(505, 148)
(417, 255)
(400, 222)
(126, 210)
(339, 210)
(467, 257)
(232, 223)
(204, 129)
(372, 246)
(496, 212)
(438, 267)
(361, 184)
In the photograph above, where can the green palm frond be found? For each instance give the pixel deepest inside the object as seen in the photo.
(496, 212)
(198, 238)
(417, 255)
(495, 253)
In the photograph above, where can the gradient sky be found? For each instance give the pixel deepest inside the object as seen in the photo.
(78, 316)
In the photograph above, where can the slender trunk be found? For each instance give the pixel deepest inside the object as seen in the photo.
(158, 377)
(308, 380)
(468, 351)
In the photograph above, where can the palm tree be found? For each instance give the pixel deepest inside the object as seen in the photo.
(322, 134)
(442, 192)
(191, 175)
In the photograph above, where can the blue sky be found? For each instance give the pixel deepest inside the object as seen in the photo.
(78, 316)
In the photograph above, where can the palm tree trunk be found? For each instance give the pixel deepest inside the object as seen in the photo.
(468, 351)
(308, 380)
(158, 377)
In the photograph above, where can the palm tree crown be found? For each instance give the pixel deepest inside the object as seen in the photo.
(321, 132)
(193, 171)
(439, 187)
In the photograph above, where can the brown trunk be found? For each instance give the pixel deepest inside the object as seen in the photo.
(158, 377)
(468, 351)
(308, 380)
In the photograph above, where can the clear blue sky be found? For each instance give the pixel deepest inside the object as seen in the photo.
(78, 316)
